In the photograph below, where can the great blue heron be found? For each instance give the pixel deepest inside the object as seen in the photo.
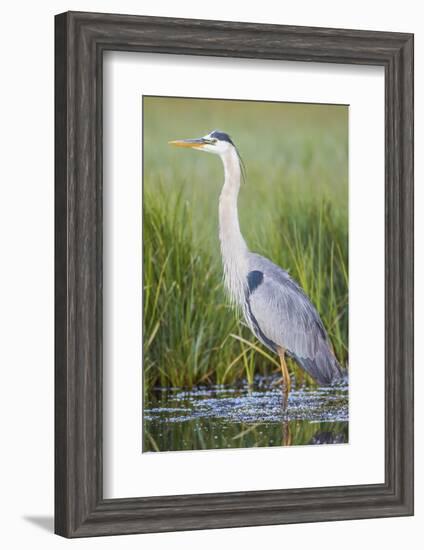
(274, 306)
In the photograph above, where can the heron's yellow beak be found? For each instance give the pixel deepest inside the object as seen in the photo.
(192, 143)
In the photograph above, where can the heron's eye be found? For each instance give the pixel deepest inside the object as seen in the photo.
(213, 140)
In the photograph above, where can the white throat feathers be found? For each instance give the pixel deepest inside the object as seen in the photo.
(233, 247)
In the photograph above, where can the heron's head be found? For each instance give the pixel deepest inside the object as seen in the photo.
(216, 142)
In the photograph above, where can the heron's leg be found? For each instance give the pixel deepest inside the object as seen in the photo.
(286, 377)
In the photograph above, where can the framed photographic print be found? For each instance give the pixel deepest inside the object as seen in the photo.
(208, 384)
(234, 330)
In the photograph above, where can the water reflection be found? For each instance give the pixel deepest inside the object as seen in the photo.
(224, 417)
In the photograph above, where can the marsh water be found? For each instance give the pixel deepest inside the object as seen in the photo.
(221, 417)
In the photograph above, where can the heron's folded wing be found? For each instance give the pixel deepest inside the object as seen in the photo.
(286, 316)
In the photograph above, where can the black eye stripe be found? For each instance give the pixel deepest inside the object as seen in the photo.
(222, 136)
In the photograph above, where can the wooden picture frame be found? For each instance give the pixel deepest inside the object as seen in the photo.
(80, 40)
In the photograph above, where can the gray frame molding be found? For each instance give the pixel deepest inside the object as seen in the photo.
(80, 40)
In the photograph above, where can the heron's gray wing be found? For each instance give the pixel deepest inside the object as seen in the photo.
(281, 312)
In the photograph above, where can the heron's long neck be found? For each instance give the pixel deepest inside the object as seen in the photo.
(233, 247)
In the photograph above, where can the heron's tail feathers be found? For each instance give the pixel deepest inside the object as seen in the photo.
(324, 367)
